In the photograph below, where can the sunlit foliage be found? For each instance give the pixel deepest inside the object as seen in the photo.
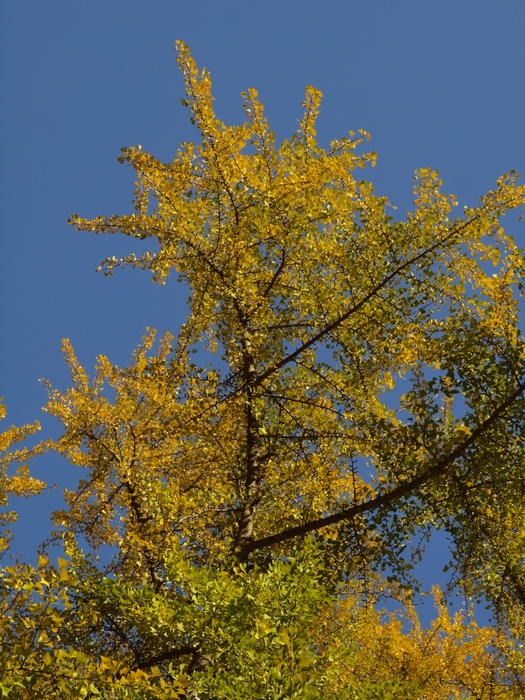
(255, 487)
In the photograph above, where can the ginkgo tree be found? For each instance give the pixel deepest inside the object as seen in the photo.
(345, 384)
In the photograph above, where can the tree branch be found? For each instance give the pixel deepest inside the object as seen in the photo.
(404, 489)
(396, 272)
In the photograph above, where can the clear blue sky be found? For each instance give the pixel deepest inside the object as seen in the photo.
(438, 84)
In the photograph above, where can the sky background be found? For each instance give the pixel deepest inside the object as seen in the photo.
(438, 84)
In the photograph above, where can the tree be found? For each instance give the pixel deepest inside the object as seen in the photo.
(345, 384)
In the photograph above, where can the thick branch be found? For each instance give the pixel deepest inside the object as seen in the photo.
(170, 655)
(251, 475)
(404, 489)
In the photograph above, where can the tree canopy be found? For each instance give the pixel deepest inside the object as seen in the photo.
(346, 383)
